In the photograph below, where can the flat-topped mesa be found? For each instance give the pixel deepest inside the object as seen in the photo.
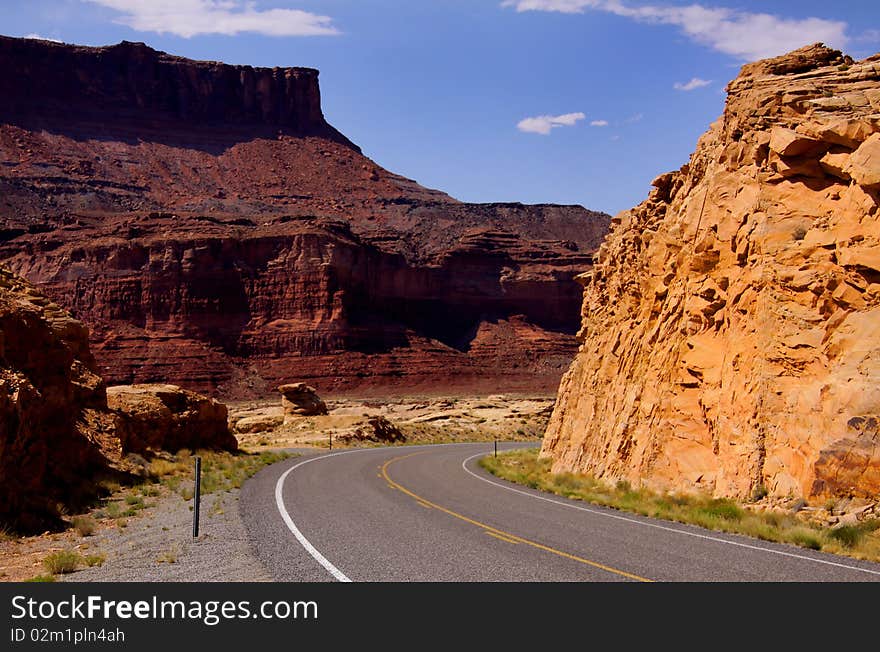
(216, 233)
(730, 325)
(134, 81)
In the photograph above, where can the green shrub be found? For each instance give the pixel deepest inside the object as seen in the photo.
(84, 525)
(94, 560)
(7, 535)
(724, 509)
(759, 492)
(63, 561)
(847, 535)
(41, 578)
(805, 539)
(870, 525)
(160, 468)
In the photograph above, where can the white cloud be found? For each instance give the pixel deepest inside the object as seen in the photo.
(599, 123)
(869, 36)
(189, 18)
(744, 35)
(41, 38)
(561, 6)
(543, 124)
(692, 85)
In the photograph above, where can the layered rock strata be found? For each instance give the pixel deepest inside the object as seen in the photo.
(731, 325)
(216, 232)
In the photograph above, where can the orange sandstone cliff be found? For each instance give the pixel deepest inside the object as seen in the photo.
(730, 335)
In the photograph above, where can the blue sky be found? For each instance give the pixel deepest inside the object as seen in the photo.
(566, 101)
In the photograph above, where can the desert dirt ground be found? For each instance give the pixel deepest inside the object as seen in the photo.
(260, 424)
(153, 541)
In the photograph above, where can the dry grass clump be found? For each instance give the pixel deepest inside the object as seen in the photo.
(84, 525)
(63, 561)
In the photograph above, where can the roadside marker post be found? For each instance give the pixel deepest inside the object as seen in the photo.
(197, 495)
(331, 441)
(496, 447)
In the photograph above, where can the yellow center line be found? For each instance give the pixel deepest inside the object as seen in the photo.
(495, 531)
(498, 536)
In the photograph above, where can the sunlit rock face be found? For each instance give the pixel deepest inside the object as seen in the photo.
(731, 324)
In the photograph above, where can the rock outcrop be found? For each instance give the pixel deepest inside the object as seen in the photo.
(53, 426)
(300, 400)
(258, 423)
(166, 417)
(57, 433)
(215, 232)
(731, 325)
(377, 429)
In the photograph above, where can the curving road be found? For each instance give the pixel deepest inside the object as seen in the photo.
(429, 513)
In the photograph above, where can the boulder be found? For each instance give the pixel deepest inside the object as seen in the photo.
(258, 423)
(849, 133)
(376, 429)
(835, 164)
(786, 142)
(300, 400)
(864, 164)
(166, 417)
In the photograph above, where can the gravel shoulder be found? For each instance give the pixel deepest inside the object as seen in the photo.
(158, 546)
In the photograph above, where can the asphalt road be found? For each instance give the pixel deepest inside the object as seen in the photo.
(429, 513)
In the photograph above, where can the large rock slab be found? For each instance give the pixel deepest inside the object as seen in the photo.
(864, 164)
(166, 417)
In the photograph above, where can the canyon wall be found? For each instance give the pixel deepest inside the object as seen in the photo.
(215, 232)
(731, 324)
(308, 300)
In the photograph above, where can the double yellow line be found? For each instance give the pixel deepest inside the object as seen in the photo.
(495, 532)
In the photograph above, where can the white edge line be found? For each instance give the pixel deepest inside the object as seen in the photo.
(660, 527)
(279, 501)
